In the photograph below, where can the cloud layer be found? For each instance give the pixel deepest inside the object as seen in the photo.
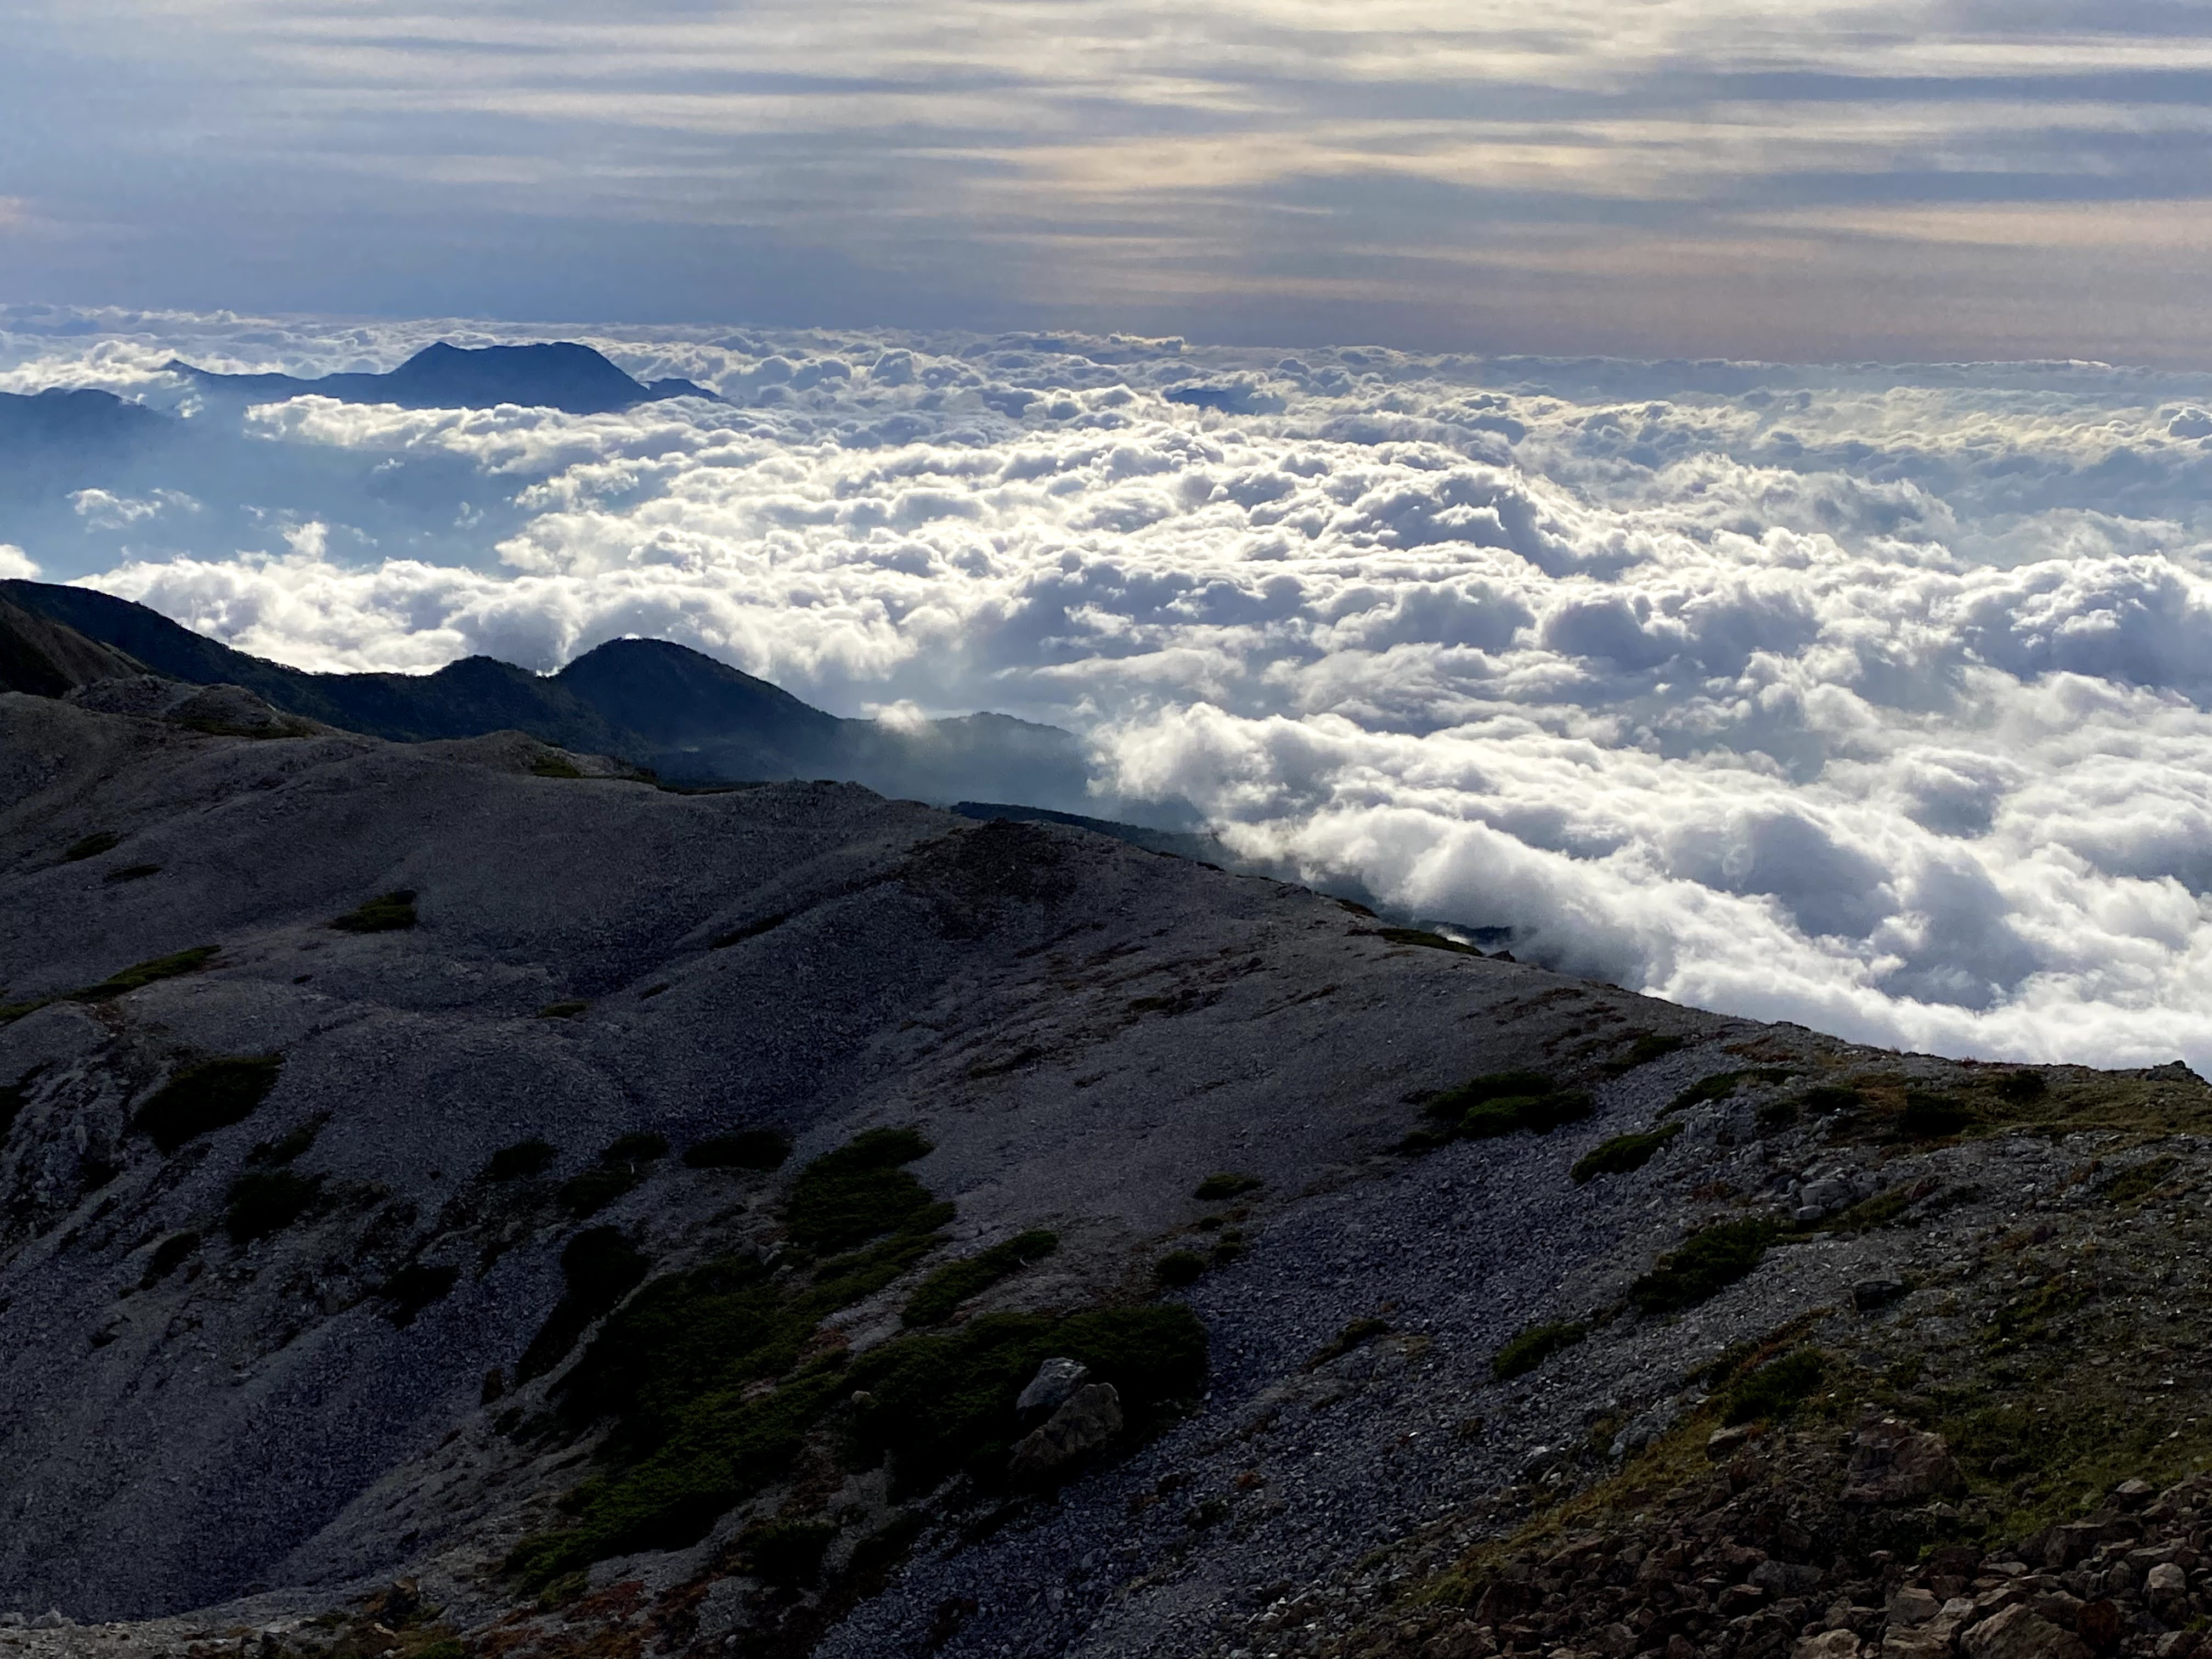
(1876, 699)
(1839, 178)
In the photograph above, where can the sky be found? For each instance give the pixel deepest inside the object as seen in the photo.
(1893, 180)
(1878, 699)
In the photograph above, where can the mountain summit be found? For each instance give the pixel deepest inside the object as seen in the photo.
(556, 374)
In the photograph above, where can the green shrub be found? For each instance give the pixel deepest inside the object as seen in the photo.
(100, 840)
(1533, 1347)
(1178, 1268)
(598, 1268)
(2132, 1186)
(1879, 1211)
(748, 1149)
(525, 1158)
(639, 1147)
(207, 1095)
(1826, 1097)
(289, 1145)
(750, 930)
(1776, 1389)
(1930, 1116)
(859, 1192)
(1357, 1334)
(1776, 1114)
(944, 1290)
(1215, 1187)
(415, 1287)
(854, 1277)
(1421, 936)
(1647, 1046)
(589, 1191)
(1623, 1154)
(2022, 1087)
(145, 973)
(787, 1552)
(130, 872)
(1703, 1265)
(554, 766)
(1538, 1114)
(388, 914)
(264, 1202)
(1721, 1084)
(568, 1009)
(1450, 1105)
(171, 1254)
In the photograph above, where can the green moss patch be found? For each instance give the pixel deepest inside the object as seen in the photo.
(1721, 1084)
(130, 872)
(2133, 1186)
(415, 1287)
(944, 1290)
(859, 1192)
(554, 766)
(390, 913)
(1217, 1188)
(568, 1009)
(1777, 1388)
(1931, 1116)
(1422, 937)
(1623, 1154)
(589, 1191)
(207, 1095)
(1498, 1103)
(524, 1158)
(1703, 1265)
(598, 1268)
(1356, 1334)
(1533, 1347)
(639, 1147)
(91, 846)
(748, 1149)
(264, 1202)
(171, 1254)
(1643, 1049)
(1178, 1268)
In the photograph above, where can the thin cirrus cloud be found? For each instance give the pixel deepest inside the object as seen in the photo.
(1896, 178)
(1879, 699)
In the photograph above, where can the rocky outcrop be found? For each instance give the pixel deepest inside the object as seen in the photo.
(1086, 1422)
(1894, 1463)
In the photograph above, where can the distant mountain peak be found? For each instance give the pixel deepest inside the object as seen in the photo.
(545, 374)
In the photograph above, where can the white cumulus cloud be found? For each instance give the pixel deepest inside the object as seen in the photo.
(1873, 698)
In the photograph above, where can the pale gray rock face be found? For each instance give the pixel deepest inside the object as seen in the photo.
(1056, 1379)
(1086, 1422)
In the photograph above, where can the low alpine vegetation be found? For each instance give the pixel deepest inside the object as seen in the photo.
(1498, 1103)
(861, 1191)
(1218, 1189)
(388, 914)
(944, 1290)
(1623, 1154)
(100, 840)
(523, 1159)
(207, 1095)
(1533, 1347)
(748, 1149)
(264, 1202)
(1702, 1265)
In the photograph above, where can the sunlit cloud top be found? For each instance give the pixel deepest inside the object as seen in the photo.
(1690, 177)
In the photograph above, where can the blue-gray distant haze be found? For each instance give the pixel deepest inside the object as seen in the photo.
(1876, 179)
(1879, 699)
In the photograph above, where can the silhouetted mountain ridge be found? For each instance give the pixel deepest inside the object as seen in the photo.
(690, 719)
(554, 374)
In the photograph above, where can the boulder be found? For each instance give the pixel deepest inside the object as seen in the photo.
(1085, 1420)
(1913, 1605)
(1724, 1444)
(1893, 1463)
(2016, 1633)
(1055, 1381)
(1871, 1293)
(2165, 1585)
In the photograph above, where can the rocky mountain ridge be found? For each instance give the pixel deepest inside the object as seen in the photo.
(460, 1197)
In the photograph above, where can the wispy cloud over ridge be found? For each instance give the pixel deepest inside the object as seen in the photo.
(1875, 698)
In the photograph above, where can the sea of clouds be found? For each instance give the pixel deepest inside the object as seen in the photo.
(1872, 698)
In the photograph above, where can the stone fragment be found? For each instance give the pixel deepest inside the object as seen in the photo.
(1055, 1380)
(2166, 1584)
(1616, 1641)
(1893, 1463)
(1828, 1645)
(2016, 1633)
(1724, 1444)
(1914, 1606)
(1086, 1420)
(2133, 1494)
